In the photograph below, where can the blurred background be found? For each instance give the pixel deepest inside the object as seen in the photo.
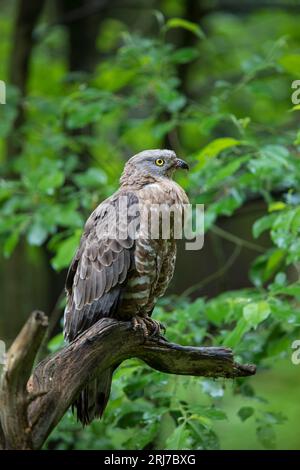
(91, 82)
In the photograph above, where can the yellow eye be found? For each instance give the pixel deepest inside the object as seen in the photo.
(159, 162)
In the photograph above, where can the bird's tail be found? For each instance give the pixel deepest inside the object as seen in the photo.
(93, 399)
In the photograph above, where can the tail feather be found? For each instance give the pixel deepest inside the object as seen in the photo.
(93, 399)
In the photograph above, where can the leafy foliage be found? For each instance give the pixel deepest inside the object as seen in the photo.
(148, 409)
(232, 121)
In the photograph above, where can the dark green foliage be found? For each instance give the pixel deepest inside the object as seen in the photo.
(233, 123)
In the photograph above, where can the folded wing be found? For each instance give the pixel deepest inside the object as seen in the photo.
(98, 273)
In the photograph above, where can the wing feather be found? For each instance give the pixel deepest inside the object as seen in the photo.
(99, 270)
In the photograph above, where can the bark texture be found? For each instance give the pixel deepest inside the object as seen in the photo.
(34, 399)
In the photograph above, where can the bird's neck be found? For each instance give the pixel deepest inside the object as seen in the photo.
(138, 180)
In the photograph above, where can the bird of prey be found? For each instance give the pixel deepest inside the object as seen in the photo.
(121, 273)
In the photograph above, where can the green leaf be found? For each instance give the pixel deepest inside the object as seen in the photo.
(50, 182)
(213, 149)
(293, 290)
(291, 63)
(169, 98)
(265, 266)
(295, 223)
(277, 206)
(212, 412)
(226, 205)
(66, 250)
(273, 417)
(263, 224)
(277, 346)
(274, 263)
(11, 243)
(212, 388)
(266, 436)
(256, 312)
(225, 172)
(161, 129)
(6, 191)
(111, 77)
(276, 154)
(235, 336)
(188, 25)
(185, 55)
(84, 115)
(56, 343)
(245, 412)
(280, 279)
(37, 234)
(179, 439)
(140, 439)
(216, 311)
(92, 178)
(67, 215)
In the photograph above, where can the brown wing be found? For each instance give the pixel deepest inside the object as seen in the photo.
(99, 271)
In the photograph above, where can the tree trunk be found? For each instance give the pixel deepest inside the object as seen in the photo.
(22, 45)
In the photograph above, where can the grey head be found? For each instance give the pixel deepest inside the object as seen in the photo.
(155, 163)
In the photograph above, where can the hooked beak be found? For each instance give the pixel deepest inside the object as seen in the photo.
(181, 164)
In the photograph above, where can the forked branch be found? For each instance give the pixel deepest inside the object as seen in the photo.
(33, 402)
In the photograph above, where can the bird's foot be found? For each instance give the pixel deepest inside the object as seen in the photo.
(155, 327)
(151, 328)
(138, 323)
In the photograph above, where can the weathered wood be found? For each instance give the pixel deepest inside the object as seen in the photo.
(32, 407)
(14, 398)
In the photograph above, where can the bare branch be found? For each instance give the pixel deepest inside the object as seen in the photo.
(58, 379)
(22, 353)
(186, 360)
(13, 394)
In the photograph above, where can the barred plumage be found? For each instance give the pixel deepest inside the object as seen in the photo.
(112, 273)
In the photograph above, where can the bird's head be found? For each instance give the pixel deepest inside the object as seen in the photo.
(154, 164)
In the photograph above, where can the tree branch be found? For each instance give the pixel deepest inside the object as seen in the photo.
(56, 381)
(13, 392)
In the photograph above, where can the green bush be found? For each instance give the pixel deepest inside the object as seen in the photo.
(235, 123)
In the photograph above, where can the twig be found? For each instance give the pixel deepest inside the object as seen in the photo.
(237, 240)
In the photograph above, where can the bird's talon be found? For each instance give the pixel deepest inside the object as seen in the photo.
(138, 323)
(151, 328)
(155, 327)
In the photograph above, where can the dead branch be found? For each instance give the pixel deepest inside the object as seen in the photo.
(31, 406)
